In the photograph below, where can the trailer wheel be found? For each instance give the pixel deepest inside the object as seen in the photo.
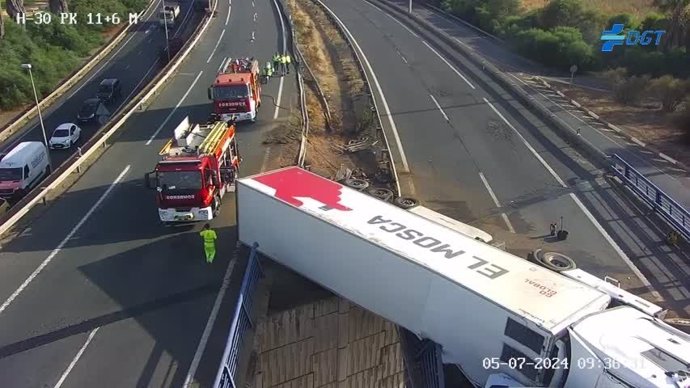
(357, 184)
(380, 193)
(406, 202)
(554, 261)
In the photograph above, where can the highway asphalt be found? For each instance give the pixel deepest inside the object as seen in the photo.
(98, 272)
(471, 127)
(134, 62)
(671, 179)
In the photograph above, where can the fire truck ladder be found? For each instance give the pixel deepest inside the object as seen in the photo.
(208, 146)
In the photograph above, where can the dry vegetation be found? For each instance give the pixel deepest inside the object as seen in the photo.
(334, 66)
(644, 121)
(638, 8)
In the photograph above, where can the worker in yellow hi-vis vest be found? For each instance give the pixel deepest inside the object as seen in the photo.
(209, 237)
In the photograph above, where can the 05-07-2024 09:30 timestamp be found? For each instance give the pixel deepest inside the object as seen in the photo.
(518, 363)
(70, 18)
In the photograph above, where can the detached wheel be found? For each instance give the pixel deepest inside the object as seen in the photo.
(554, 261)
(357, 184)
(406, 202)
(382, 194)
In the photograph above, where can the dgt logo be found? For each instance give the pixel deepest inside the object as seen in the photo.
(615, 37)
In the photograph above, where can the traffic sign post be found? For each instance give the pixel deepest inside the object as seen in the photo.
(573, 69)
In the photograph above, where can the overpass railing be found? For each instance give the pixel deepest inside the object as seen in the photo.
(662, 203)
(423, 364)
(241, 323)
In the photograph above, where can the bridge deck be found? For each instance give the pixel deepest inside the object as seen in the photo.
(327, 344)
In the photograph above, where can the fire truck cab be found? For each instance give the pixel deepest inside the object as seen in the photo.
(198, 167)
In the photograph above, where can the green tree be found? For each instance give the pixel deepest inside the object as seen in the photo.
(670, 91)
(571, 13)
(624, 18)
(492, 13)
(678, 19)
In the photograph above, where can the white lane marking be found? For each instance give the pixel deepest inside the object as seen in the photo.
(184, 20)
(175, 108)
(252, 35)
(439, 108)
(394, 19)
(134, 90)
(582, 207)
(402, 56)
(83, 83)
(227, 18)
(76, 358)
(615, 246)
(225, 59)
(387, 111)
(216, 46)
(498, 204)
(267, 158)
(62, 243)
(449, 65)
(209, 325)
(282, 79)
(252, 3)
(529, 146)
(254, 16)
(599, 130)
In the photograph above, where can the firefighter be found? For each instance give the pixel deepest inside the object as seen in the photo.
(287, 60)
(276, 61)
(209, 237)
(267, 71)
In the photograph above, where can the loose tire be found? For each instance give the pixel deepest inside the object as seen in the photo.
(554, 261)
(357, 184)
(406, 202)
(380, 193)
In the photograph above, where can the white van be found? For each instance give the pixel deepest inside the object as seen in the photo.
(23, 168)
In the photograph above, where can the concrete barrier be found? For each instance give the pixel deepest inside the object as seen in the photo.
(74, 163)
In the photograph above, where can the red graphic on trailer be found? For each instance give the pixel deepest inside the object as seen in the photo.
(294, 183)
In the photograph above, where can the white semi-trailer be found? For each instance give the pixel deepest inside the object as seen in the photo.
(494, 314)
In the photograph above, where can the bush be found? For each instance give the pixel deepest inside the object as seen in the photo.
(571, 13)
(670, 91)
(630, 90)
(625, 18)
(560, 48)
(53, 49)
(682, 121)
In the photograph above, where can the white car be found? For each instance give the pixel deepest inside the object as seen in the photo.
(64, 136)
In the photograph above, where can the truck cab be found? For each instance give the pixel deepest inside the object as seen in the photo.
(169, 15)
(236, 92)
(198, 168)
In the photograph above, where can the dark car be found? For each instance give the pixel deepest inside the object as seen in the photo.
(201, 5)
(88, 110)
(109, 90)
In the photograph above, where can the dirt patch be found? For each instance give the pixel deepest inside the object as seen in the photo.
(332, 69)
(645, 121)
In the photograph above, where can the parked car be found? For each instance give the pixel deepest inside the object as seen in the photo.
(64, 136)
(109, 90)
(88, 110)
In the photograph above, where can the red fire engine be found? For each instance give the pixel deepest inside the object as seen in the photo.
(198, 166)
(236, 91)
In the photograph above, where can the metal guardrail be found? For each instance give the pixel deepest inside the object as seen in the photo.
(319, 90)
(298, 59)
(27, 115)
(74, 162)
(241, 323)
(367, 82)
(672, 212)
(423, 362)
